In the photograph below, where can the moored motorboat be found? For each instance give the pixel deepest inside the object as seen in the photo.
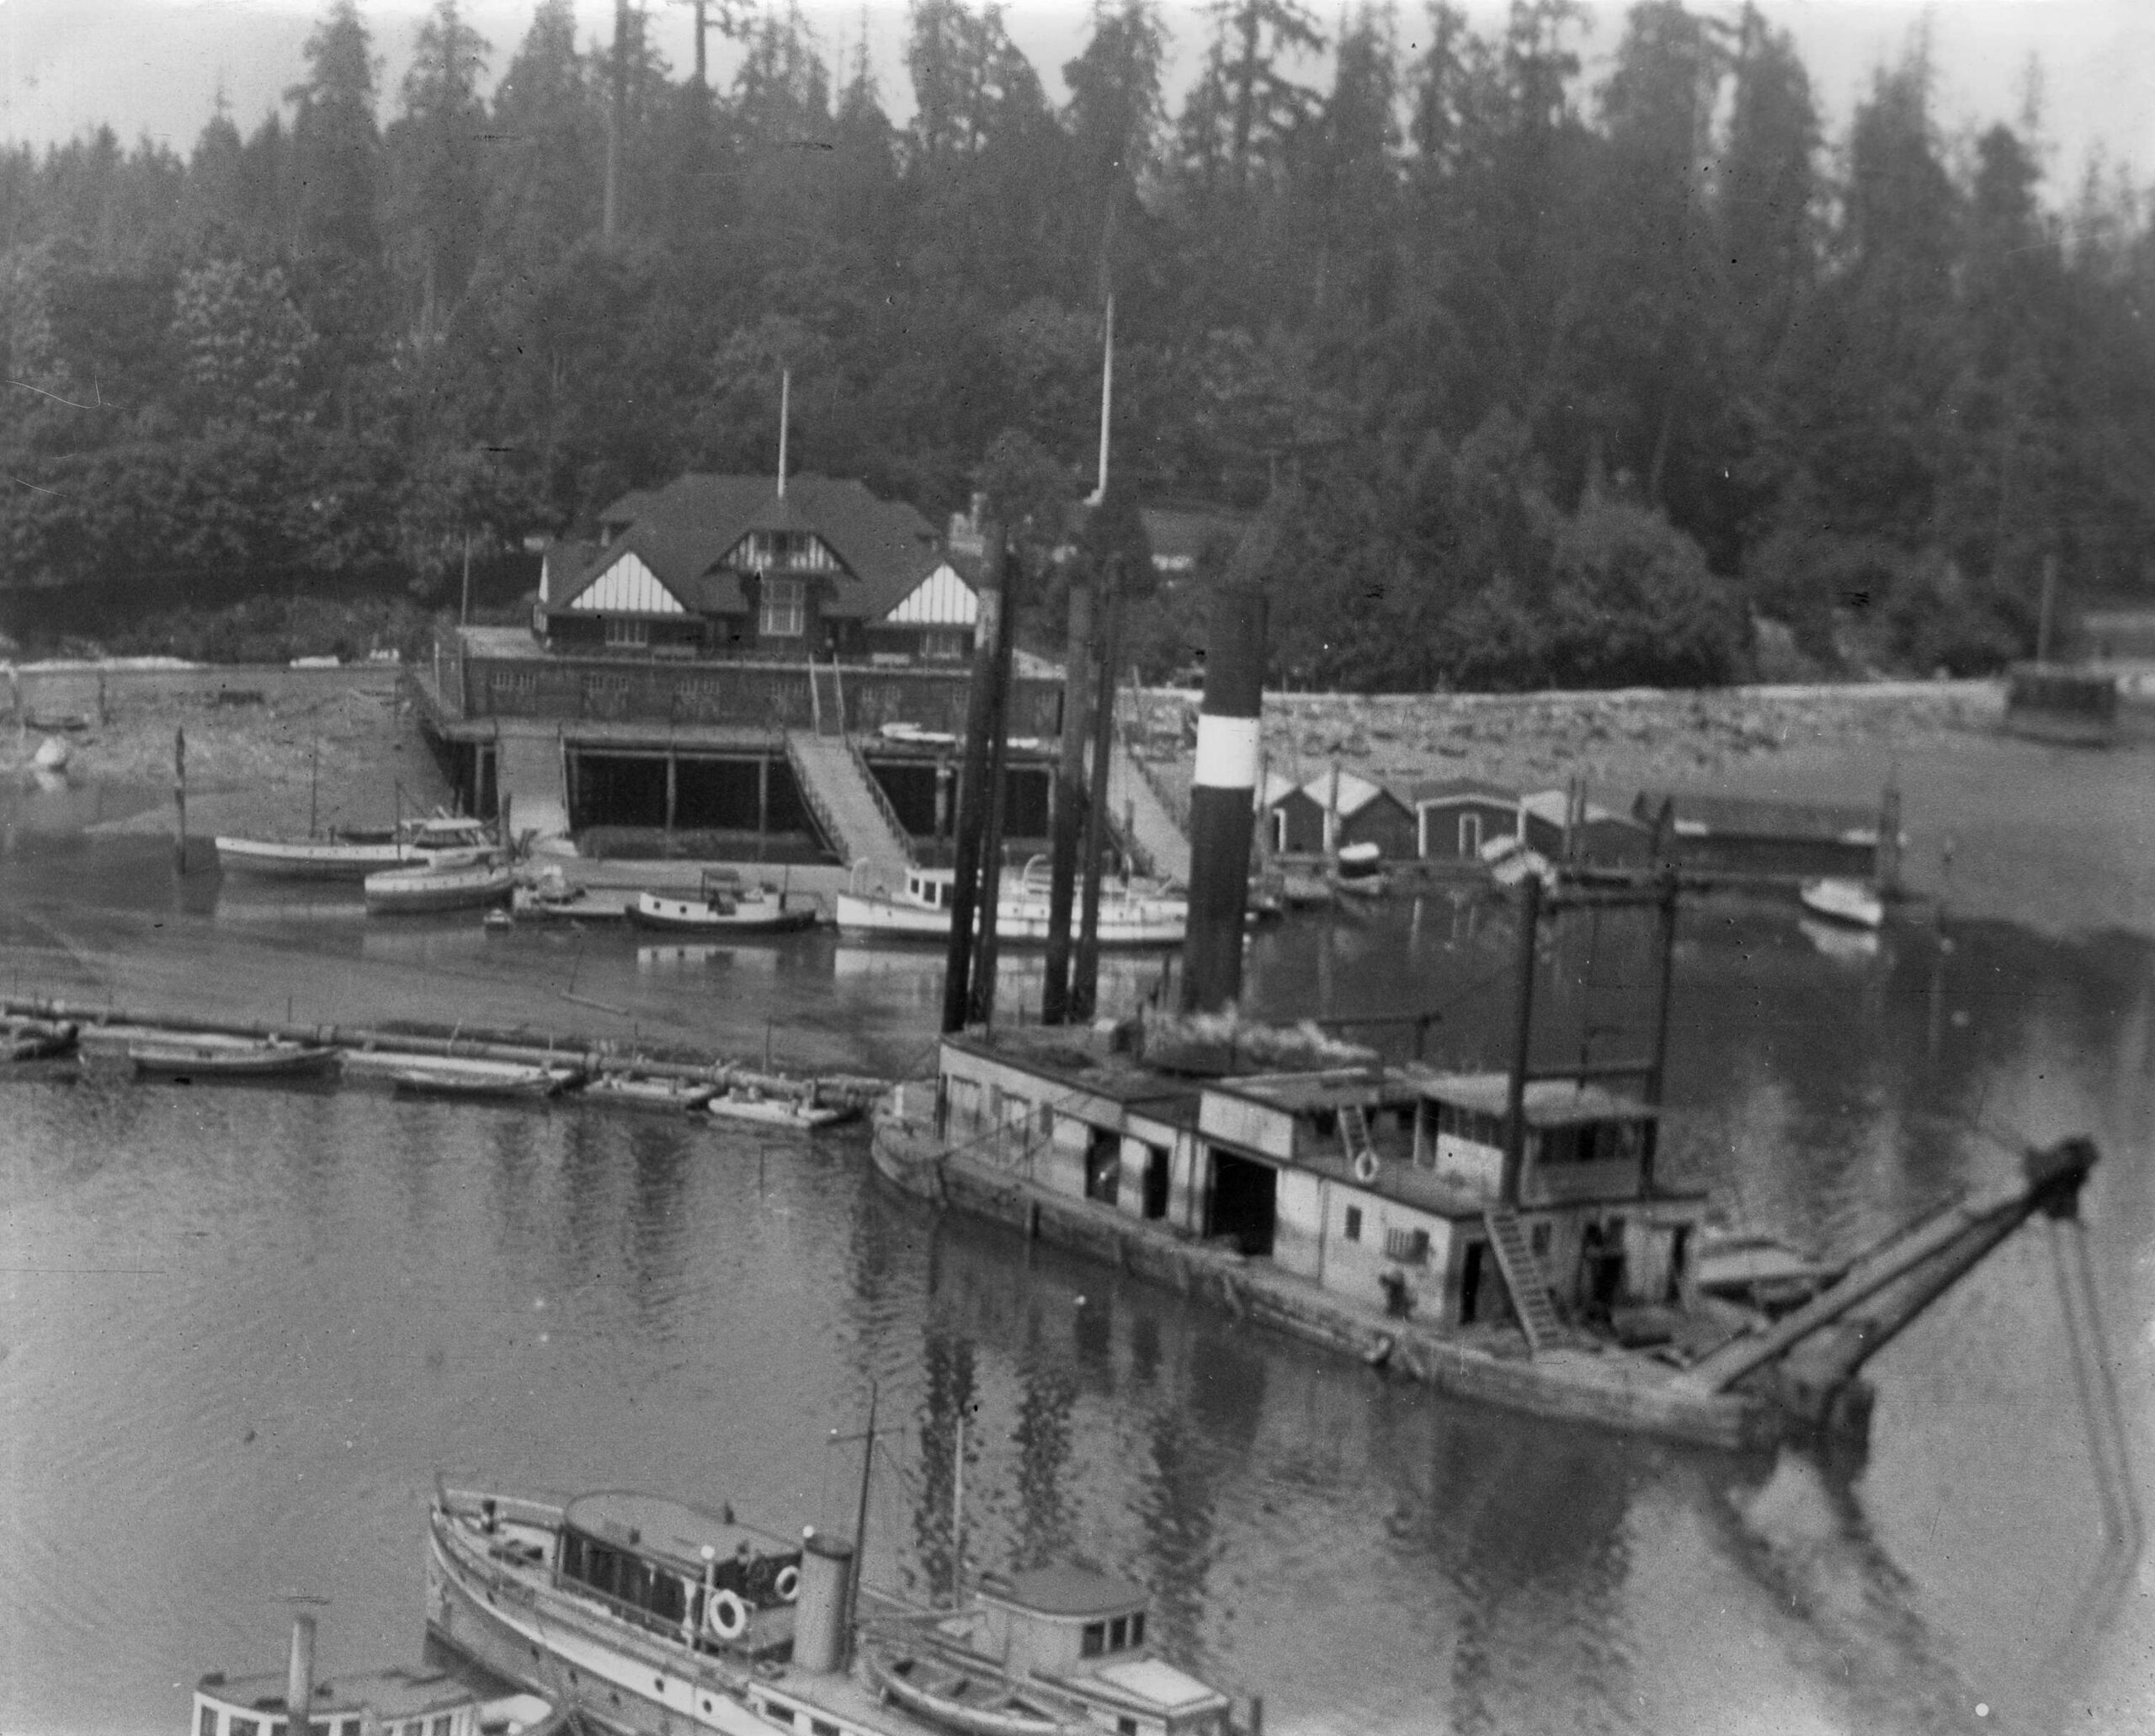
(662, 1615)
(1845, 901)
(757, 1108)
(1357, 871)
(443, 840)
(724, 904)
(1130, 915)
(629, 1090)
(188, 1061)
(413, 891)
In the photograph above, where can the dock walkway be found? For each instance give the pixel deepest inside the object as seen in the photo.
(847, 806)
(1134, 804)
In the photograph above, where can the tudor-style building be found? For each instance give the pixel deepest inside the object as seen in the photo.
(725, 566)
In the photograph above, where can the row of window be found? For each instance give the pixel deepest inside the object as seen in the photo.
(1101, 1638)
(236, 1725)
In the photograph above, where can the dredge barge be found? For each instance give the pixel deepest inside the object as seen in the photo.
(1383, 1212)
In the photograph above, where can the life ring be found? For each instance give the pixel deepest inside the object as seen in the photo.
(787, 1584)
(726, 1615)
(1365, 1166)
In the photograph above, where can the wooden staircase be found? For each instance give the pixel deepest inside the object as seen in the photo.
(1529, 1290)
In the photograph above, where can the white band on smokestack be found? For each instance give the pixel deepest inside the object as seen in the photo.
(1227, 751)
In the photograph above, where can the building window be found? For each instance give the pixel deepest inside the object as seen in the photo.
(1539, 1239)
(626, 634)
(1410, 1247)
(241, 1726)
(209, 1726)
(1279, 831)
(945, 644)
(784, 612)
(1354, 1224)
(442, 1723)
(1093, 1641)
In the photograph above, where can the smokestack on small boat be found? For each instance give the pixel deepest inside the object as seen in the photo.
(299, 1674)
(819, 1615)
(1222, 794)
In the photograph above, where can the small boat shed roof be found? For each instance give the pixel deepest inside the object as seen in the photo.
(1066, 1589)
(663, 1529)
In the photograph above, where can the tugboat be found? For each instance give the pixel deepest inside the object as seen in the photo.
(642, 1612)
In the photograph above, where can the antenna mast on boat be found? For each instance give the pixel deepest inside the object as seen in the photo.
(859, 1528)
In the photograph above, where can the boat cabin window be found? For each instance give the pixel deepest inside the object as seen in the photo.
(1353, 1230)
(1093, 1641)
(441, 1725)
(1137, 1628)
(1591, 1142)
(1118, 1633)
(209, 1724)
(350, 1726)
(241, 1726)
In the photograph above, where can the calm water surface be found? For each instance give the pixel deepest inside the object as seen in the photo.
(242, 1329)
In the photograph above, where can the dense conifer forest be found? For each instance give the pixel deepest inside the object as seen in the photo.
(1496, 375)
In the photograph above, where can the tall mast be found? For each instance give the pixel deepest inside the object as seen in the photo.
(1107, 405)
(785, 414)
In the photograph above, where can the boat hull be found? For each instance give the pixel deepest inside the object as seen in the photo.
(426, 891)
(321, 859)
(1143, 922)
(1846, 901)
(688, 916)
(781, 1112)
(278, 1061)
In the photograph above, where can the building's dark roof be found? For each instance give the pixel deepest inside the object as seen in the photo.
(1447, 790)
(1748, 816)
(1064, 1589)
(683, 531)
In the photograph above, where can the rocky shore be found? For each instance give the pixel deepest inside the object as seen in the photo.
(262, 744)
(1639, 737)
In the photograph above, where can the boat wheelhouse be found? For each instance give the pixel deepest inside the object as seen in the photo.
(402, 1700)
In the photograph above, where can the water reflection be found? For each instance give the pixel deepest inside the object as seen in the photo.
(243, 1329)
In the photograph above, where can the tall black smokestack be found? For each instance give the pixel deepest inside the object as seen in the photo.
(1221, 799)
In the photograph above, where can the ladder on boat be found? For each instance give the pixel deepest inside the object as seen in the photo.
(1529, 1290)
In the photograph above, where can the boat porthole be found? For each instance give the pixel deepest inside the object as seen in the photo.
(572, 1680)
(534, 1655)
(706, 1706)
(659, 1683)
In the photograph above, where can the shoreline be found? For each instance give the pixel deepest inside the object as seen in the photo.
(1997, 827)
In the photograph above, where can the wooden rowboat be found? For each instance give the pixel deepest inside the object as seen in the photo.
(954, 1692)
(189, 1062)
(486, 1079)
(419, 890)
